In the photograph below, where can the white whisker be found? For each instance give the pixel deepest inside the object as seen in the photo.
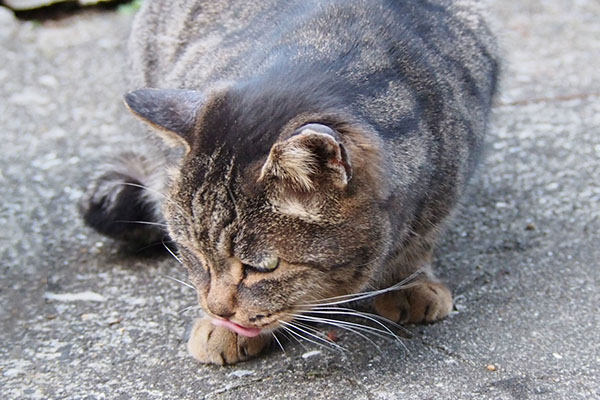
(163, 195)
(144, 223)
(189, 308)
(278, 342)
(368, 316)
(171, 252)
(404, 284)
(180, 281)
(318, 334)
(145, 188)
(149, 246)
(356, 313)
(346, 326)
(296, 334)
(289, 327)
(286, 330)
(365, 328)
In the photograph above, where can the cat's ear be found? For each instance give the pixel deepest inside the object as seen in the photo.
(314, 152)
(172, 111)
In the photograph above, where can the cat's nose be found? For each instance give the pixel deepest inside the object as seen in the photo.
(220, 303)
(221, 311)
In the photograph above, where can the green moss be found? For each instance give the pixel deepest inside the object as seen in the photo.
(130, 8)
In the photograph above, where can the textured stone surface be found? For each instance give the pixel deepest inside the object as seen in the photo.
(522, 256)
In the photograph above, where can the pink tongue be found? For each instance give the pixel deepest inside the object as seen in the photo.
(240, 330)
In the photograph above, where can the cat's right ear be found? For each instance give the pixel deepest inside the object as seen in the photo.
(314, 151)
(172, 112)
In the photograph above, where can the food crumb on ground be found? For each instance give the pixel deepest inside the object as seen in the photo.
(333, 335)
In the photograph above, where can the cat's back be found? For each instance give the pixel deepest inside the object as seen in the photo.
(173, 41)
(192, 43)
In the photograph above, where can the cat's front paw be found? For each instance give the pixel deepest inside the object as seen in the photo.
(427, 301)
(212, 344)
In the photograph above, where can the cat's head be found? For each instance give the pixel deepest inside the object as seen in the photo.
(274, 206)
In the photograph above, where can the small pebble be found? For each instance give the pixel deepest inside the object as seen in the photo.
(502, 204)
(311, 354)
(48, 80)
(491, 367)
(115, 321)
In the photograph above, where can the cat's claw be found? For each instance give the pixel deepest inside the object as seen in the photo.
(212, 344)
(426, 302)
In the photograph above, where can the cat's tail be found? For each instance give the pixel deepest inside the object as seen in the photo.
(124, 201)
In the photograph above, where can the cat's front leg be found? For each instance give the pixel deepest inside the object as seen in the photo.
(426, 301)
(212, 344)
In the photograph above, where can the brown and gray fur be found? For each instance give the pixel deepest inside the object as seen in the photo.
(337, 135)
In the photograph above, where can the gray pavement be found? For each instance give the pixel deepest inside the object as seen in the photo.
(522, 256)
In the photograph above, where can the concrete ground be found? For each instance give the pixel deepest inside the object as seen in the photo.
(522, 256)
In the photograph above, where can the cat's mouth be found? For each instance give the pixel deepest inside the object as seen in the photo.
(237, 328)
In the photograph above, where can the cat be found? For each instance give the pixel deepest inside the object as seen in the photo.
(310, 149)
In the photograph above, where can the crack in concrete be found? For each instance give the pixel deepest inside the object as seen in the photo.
(232, 387)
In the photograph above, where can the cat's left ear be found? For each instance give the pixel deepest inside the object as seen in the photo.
(172, 111)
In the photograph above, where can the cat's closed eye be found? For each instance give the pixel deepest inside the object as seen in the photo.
(269, 265)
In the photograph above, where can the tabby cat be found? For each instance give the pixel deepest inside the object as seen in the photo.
(314, 149)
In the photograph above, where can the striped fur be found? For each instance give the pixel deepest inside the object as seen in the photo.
(406, 86)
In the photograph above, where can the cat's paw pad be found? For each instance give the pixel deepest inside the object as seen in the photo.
(425, 302)
(212, 344)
